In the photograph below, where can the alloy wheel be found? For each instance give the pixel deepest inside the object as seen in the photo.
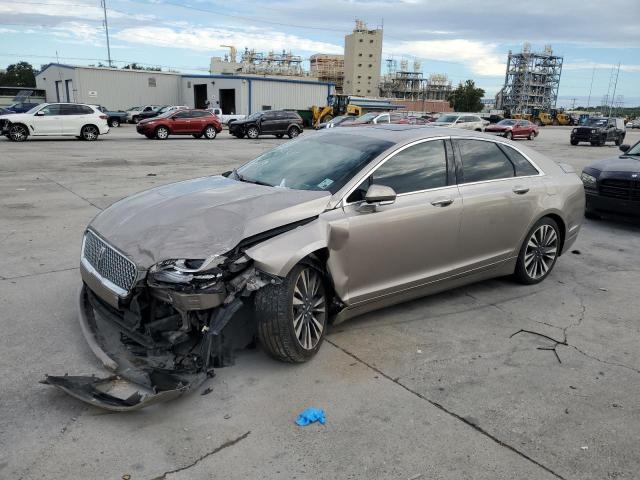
(541, 252)
(18, 133)
(309, 308)
(162, 133)
(253, 132)
(293, 132)
(210, 133)
(90, 133)
(115, 123)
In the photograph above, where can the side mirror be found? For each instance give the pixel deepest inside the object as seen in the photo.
(380, 194)
(624, 148)
(40, 114)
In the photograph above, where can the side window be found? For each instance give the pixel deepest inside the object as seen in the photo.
(483, 161)
(196, 114)
(183, 114)
(419, 167)
(50, 110)
(523, 166)
(71, 109)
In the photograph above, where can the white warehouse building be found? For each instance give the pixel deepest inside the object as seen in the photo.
(119, 89)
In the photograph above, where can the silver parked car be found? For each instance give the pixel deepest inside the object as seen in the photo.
(318, 230)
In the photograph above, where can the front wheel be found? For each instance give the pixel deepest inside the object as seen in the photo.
(89, 133)
(532, 135)
(508, 135)
(253, 132)
(293, 132)
(135, 119)
(210, 133)
(574, 142)
(539, 252)
(619, 141)
(292, 315)
(18, 133)
(162, 133)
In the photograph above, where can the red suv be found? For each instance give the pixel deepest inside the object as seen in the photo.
(198, 123)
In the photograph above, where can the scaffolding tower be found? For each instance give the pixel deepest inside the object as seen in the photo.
(531, 82)
(409, 84)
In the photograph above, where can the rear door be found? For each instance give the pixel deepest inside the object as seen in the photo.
(199, 120)
(415, 239)
(74, 117)
(47, 121)
(501, 191)
(269, 123)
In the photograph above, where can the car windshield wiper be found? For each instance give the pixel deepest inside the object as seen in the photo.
(246, 180)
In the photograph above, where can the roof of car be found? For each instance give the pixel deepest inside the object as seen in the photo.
(398, 133)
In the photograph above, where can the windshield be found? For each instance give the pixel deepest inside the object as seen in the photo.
(447, 119)
(367, 117)
(254, 116)
(322, 162)
(596, 122)
(34, 109)
(635, 150)
(166, 113)
(507, 122)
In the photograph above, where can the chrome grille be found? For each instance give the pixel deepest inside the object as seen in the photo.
(109, 263)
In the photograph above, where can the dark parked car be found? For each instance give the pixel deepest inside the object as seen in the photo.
(197, 123)
(4, 111)
(115, 118)
(511, 128)
(613, 185)
(598, 131)
(22, 107)
(270, 122)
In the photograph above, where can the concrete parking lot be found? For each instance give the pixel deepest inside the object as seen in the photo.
(438, 388)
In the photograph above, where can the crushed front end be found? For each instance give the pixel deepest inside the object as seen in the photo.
(161, 330)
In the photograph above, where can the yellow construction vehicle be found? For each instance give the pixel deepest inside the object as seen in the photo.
(337, 105)
(539, 118)
(561, 118)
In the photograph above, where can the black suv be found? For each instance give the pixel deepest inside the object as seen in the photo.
(598, 131)
(270, 122)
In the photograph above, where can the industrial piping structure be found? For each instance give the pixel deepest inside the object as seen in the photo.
(531, 82)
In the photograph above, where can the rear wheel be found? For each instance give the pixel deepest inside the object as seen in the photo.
(210, 132)
(114, 123)
(508, 135)
(162, 133)
(539, 252)
(292, 315)
(293, 132)
(253, 132)
(89, 133)
(135, 119)
(18, 133)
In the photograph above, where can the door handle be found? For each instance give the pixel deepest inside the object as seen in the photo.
(443, 202)
(520, 190)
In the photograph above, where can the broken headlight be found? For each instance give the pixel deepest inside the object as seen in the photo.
(200, 273)
(589, 181)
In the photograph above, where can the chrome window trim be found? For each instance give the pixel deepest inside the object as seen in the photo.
(121, 292)
(343, 201)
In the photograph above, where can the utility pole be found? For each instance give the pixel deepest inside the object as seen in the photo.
(615, 86)
(106, 29)
(591, 87)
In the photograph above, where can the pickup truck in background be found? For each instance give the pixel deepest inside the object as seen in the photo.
(115, 118)
(225, 119)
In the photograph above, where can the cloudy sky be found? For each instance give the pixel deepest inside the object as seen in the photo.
(462, 38)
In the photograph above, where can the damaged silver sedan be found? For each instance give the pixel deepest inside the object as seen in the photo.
(318, 230)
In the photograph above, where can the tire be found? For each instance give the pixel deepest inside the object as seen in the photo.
(197, 135)
(531, 136)
(90, 133)
(508, 136)
(114, 123)
(162, 133)
(279, 135)
(18, 133)
(539, 252)
(276, 313)
(135, 119)
(293, 132)
(619, 141)
(574, 142)
(253, 132)
(210, 132)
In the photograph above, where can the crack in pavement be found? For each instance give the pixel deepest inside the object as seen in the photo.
(230, 443)
(72, 192)
(39, 273)
(447, 411)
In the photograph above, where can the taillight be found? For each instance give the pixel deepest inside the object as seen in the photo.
(104, 117)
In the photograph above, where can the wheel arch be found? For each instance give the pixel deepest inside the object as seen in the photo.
(560, 221)
(89, 125)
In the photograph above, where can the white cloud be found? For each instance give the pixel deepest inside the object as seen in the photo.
(63, 9)
(8, 30)
(210, 39)
(482, 58)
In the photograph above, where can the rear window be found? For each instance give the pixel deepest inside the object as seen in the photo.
(522, 165)
(482, 161)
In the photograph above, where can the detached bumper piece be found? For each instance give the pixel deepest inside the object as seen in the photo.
(147, 370)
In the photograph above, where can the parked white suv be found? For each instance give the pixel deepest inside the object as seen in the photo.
(55, 119)
(468, 121)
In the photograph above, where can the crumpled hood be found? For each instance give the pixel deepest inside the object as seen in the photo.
(617, 164)
(200, 217)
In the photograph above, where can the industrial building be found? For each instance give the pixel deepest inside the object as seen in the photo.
(234, 94)
(251, 62)
(531, 81)
(362, 60)
(328, 68)
(409, 84)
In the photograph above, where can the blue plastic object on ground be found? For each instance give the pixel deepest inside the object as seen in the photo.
(309, 416)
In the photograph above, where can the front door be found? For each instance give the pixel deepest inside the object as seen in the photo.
(412, 241)
(47, 121)
(269, 122)
(181, 122)
(200, 95)
(500, 191)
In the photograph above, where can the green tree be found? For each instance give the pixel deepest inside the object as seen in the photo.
(466, 97)
(135, 66)
(19, 74)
